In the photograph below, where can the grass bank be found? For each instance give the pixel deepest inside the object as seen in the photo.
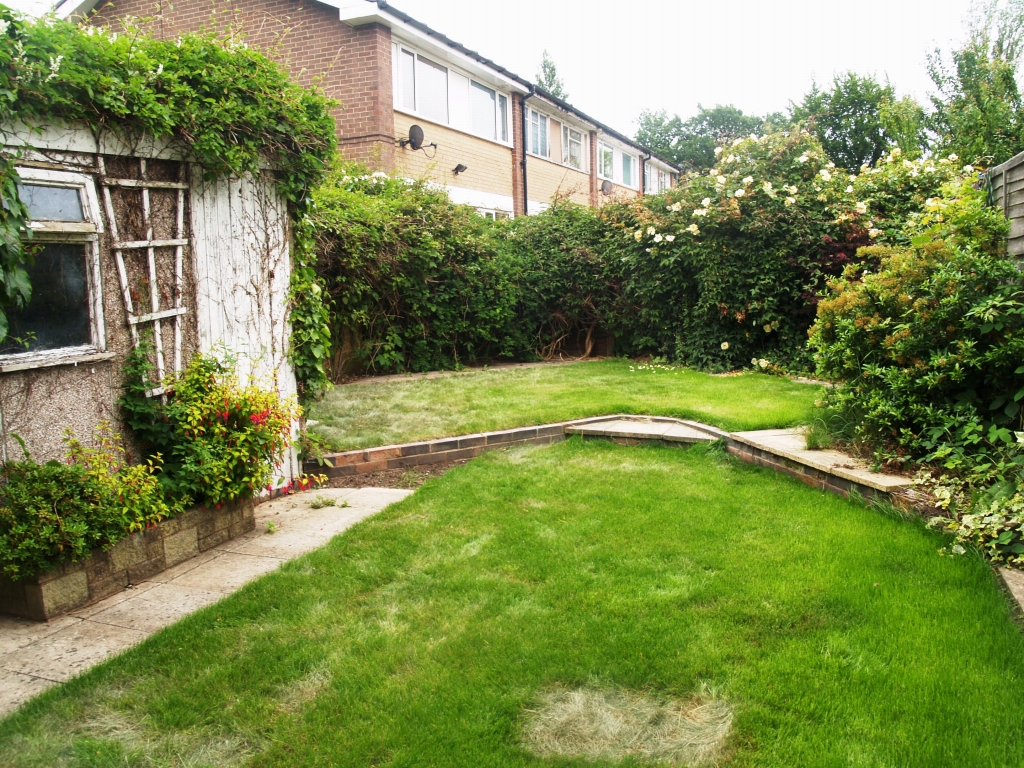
(369, 414)
(834, 634)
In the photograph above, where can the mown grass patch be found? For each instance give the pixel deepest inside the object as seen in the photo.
(428, 634)
(365, 415)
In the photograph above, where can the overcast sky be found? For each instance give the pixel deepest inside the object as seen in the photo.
(617, 59)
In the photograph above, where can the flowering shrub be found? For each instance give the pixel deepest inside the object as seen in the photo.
(727, 267)
(55, 512)
(219, 441)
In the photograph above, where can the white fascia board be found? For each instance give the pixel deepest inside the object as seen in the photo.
(356, 14)
(544, 106)
(661, 166)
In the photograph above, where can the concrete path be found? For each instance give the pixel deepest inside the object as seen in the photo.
(36, 655)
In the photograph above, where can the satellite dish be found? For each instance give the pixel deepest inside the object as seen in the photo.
(606, 187)
(415, 136)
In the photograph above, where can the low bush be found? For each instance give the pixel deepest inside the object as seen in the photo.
(56, 512)
(213, 440)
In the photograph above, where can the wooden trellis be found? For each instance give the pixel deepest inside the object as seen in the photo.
(156, 315)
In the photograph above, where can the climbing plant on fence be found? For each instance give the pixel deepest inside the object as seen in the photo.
(229, 107)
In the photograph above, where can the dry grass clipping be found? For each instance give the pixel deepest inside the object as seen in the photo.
(600, 724)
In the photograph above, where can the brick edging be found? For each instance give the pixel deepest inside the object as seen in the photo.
(357, 462)
(438, 451)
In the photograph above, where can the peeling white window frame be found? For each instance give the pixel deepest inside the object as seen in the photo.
(72, 232)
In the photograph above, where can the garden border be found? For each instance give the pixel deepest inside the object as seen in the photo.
(133, 559)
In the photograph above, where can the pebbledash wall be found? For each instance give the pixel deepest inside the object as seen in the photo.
(389, 72)
(144, 246)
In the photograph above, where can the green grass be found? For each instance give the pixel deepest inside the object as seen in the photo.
(837, 633)
(371, 414)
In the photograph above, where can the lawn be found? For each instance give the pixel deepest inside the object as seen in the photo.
(369, 414)
(426, 636)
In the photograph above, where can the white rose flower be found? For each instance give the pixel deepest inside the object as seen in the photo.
(639, 235)
(803, 158)
(706, 202)
(658, 238)
(720, 180)
(862, 207)
(740, 192)
(712, 172)
(753, 361)
(767, 186)
(763, 363)
(670, 238)
(652, 231)
(790, 200)
(731, 159)
(737, 141)
(968, 169)
(849, 189)
(853, 177)
(953, 158)
(718, 151)
(700, 211)
(825, 175)
(725, 345)
(831, 165)
(748, 180)
(693, 230)
(874, 232)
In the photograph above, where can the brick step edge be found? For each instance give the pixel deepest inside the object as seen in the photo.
(812, 476)
(439, 451)
(445, 449)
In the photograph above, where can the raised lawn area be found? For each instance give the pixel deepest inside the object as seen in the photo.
(369, 414)
(818, 631)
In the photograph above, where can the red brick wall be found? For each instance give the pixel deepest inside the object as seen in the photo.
(351, 65)
(518, 149)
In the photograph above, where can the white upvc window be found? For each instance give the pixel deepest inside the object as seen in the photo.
(572, 148)
(628, 164)
(493, 214)
(438, 93)
(63, 319)
(606, 162)
(648, 178)
(538, 134)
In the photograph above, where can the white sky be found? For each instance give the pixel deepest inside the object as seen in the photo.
(617, 58)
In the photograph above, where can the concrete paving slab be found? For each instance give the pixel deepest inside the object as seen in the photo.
(128, 593)
(16, 688)
(227, 572)
(792, 444)
(71, 650)
(16, 632)
(1014, 581)
(157, 608)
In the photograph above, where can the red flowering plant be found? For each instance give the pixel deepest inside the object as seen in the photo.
(220, 440)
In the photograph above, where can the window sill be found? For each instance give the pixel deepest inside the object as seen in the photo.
(70, 356)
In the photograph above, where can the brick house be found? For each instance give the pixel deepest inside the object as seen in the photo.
(491, 138)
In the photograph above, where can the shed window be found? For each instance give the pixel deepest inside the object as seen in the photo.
(57, 315)
(47, 203)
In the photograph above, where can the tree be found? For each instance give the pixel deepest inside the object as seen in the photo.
(847, 118)
(548, 79)
(978, 111)
(691, 143)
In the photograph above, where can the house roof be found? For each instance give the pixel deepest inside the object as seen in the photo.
(69, 8)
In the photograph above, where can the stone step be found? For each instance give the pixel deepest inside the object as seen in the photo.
(632, 430)
(786, 450)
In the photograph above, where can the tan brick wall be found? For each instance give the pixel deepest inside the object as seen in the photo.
(489, 164)
(546, 180)
(351, 65)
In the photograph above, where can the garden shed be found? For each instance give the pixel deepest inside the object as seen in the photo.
(133, 240)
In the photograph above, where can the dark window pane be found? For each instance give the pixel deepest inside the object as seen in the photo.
(58, 313)
(51, 203)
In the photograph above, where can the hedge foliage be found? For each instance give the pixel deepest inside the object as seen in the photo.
(726, 268)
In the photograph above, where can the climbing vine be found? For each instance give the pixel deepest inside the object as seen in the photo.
(229, 107)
